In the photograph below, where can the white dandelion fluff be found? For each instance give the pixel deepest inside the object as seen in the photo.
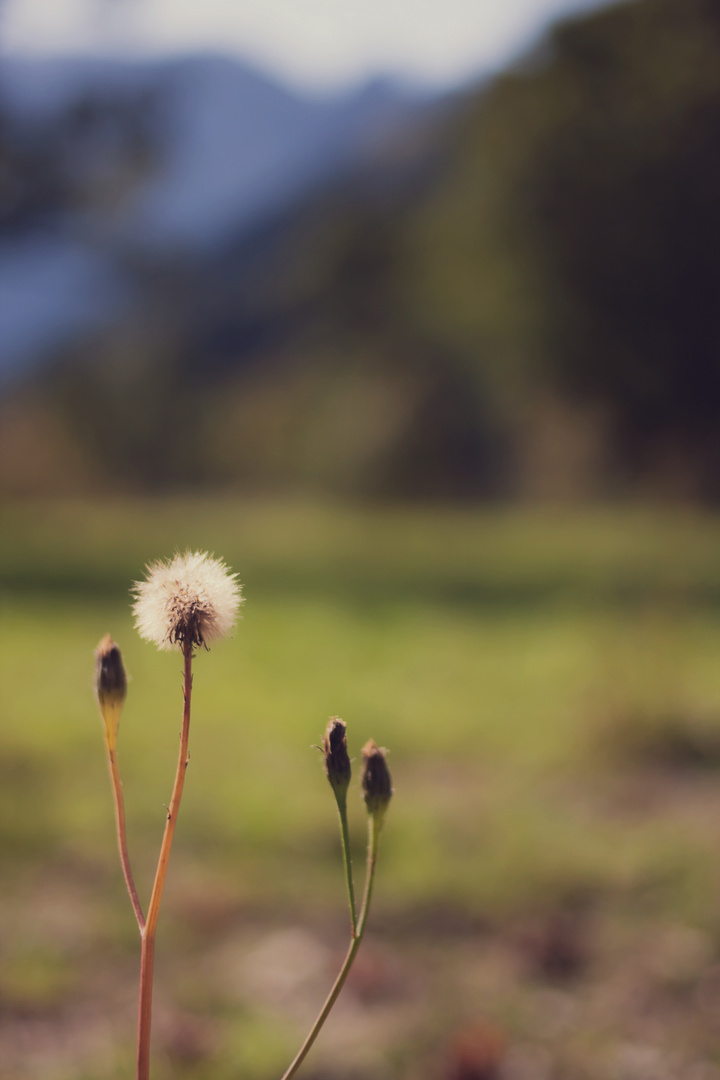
(192, 599)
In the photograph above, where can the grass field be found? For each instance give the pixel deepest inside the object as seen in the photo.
(546, 906)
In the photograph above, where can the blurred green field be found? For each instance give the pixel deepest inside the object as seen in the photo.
(548, 686)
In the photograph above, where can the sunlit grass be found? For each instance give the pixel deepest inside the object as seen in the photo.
(546, 682)
(485, 650)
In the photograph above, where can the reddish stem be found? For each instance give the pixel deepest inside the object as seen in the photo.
(147, 958)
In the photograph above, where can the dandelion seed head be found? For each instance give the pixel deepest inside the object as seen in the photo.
(190, 600)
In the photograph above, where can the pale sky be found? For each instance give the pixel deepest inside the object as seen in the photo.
(314, 43)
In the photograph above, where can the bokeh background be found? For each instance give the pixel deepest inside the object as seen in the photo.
(413, 317)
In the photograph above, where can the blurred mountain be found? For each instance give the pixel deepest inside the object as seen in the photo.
(510, 292)
(106, 162)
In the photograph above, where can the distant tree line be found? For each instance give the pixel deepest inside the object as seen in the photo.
(531, 307)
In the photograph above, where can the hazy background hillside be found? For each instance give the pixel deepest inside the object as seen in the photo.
(508, 291)
(114, 161)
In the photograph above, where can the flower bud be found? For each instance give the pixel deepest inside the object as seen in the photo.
(110, 685)
(376, 781)
(337, 762)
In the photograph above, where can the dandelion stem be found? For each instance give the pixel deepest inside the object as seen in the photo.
(121, 831)
(373, 837)
(342, 811)
(147, 958)
(374, 826)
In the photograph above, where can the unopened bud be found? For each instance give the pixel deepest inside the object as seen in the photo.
(376, 781)
(110, 685)
(337, 762)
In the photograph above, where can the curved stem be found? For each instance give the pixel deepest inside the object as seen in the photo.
(147, 958)
(374, 826)
(121, 831)
(373, 836)
(344, 832)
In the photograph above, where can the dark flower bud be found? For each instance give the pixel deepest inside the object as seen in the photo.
(337, 762)
(110, 684)
(376, 781)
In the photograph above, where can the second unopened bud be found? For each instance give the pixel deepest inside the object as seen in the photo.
(376, 780)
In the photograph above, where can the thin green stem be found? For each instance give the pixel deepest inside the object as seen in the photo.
(373, 836)
(344, 832)
(120, 827)
(374, 826)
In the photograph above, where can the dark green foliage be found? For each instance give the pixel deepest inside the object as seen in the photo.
(626, 195)
(585, 224)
